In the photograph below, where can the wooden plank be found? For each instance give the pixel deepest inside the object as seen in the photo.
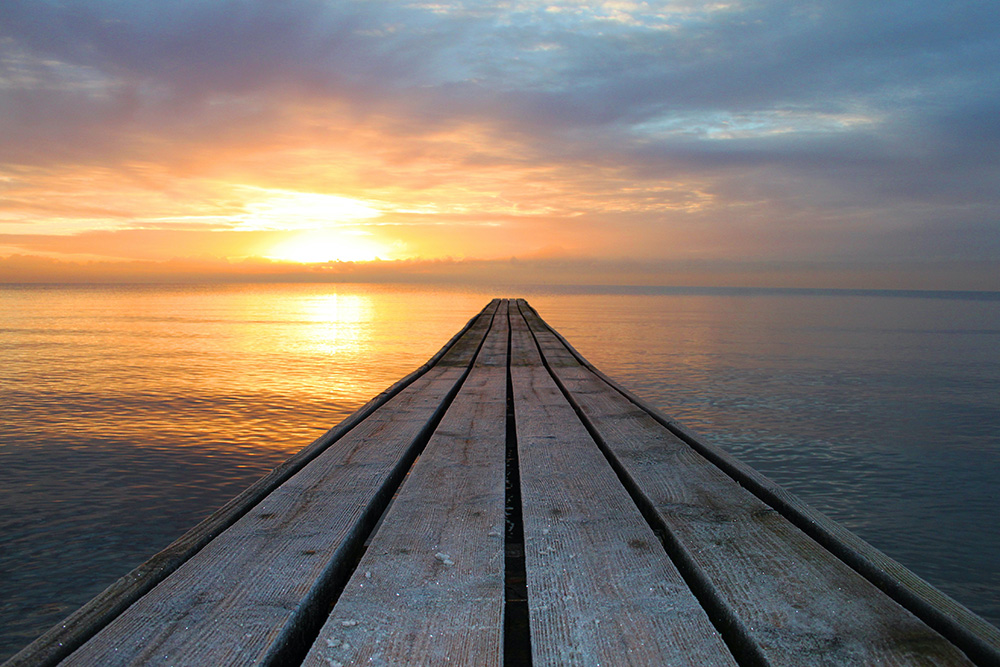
(430, 588)
(249, 595)
(978, 638)
(789, 599)
(81, 625)
(975, 636)
(601, 590)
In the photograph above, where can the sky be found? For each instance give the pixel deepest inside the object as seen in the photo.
(827, 143)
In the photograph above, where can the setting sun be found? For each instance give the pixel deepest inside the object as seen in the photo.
(323, 226)
(283, 209)
(328, 245)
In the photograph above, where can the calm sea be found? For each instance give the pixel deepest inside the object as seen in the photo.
(129, 413)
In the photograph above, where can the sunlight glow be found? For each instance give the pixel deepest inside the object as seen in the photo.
(328, 245)
(285, 209)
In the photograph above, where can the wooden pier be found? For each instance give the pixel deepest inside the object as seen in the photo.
(507, 503)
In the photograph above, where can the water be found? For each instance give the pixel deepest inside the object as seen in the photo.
(130, 413)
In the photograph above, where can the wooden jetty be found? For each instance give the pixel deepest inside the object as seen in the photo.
(507, 503)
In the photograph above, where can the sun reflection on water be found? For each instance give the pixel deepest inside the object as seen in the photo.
(120, 403)
(340, 323)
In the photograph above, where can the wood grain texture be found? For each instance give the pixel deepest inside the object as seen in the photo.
(601, 590)
(63, 638)
(976, 637)
(430, 588)
(243, 598)
(253, 584)
(794, 600)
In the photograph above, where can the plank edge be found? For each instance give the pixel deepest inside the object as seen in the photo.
(76, 629)
(969, 632)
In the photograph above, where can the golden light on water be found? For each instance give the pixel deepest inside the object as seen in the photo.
(338, 324)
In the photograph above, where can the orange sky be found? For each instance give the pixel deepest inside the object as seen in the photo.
(671, 142)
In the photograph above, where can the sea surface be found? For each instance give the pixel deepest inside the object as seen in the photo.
(129, 413)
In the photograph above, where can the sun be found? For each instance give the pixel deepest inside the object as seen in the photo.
(328, 245)
(315, 227)
(287, 209)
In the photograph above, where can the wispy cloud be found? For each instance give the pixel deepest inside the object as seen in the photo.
(792, 131)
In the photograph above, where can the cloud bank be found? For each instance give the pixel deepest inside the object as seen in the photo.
(788, 133)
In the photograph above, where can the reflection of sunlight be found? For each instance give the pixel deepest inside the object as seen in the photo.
(342, 308)
(328, 245)
(340, 324)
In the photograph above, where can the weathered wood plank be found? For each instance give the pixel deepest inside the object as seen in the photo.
(787, 596)
(601, 590)
(248, 595)
(430, 588)
(84, 623)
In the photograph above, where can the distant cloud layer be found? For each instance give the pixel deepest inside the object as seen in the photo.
(771, 131)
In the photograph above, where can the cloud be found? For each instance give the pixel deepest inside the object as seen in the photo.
(831, 128)
(517, 274)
